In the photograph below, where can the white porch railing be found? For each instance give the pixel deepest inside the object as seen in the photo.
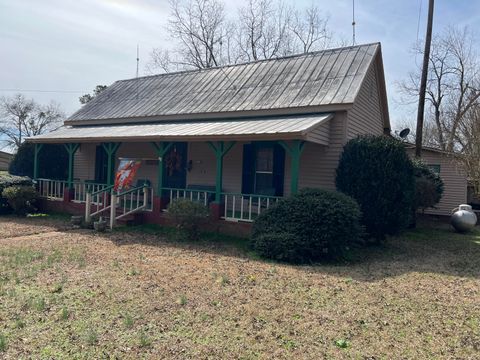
(81, 188)
(202, 196)
(51, 189)
(99, 201)
(242, 207)
(128, 202)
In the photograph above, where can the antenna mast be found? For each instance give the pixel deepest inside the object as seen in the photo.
(353, 22)
(138, 60)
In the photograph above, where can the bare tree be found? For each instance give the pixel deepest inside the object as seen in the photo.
(263, 29)
(21, 118)
(311, 29)
(453, 85)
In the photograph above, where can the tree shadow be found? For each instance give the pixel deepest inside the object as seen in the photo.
(430, 248)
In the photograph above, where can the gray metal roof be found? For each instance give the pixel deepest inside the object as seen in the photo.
(279, 127)
(313, 79)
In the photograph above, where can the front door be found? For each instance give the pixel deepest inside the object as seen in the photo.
(101, 164)
(175, 166)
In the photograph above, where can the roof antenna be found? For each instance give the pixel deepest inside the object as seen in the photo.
(353, 22)
(138, 60)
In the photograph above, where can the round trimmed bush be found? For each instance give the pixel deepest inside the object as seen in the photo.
(188, 216)
(309, 226)
(6, 181)
(21, 198)
(377, 172)
(428, 186)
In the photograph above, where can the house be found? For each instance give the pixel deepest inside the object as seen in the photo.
(452, 174)
(236, 138)
(5, 159)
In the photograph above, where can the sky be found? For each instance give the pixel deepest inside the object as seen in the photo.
(60, 49)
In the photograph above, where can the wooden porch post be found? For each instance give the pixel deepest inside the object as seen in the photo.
(220, 150)
(71, 150)
(37, 149)
(295, 151)
(161, 148)
(111, 150)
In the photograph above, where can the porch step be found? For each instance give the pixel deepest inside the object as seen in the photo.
(134, 219)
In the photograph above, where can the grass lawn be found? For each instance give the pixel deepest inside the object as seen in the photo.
(76, 294)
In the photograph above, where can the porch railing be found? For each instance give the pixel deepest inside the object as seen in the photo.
(51, 189)
(97, 202)
(80, 189)
(202, 196)
(129, 202)
(246, 207)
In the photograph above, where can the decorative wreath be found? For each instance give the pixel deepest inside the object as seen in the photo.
(173, 162)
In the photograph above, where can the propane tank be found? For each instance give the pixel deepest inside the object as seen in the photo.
(463, 218)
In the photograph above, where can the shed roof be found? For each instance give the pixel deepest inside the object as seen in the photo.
(329, 77)
(285, 127)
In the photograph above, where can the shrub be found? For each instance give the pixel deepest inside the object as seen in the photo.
(428, 186)
(188, 216)
(55, 156)
(6, 181)
(21, 198)
(309, 226)
(377, 172)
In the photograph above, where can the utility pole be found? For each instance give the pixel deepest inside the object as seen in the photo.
(423, 83)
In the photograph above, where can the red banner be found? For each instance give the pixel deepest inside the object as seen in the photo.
(126, 173)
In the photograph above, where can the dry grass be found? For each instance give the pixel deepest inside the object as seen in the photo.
(75, 294)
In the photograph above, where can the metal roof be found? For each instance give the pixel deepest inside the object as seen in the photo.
(286, 127)
(327, 77)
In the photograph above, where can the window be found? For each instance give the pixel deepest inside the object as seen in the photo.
(263, 169)
(435, 168)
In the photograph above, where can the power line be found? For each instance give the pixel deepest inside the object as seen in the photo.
(44, 91)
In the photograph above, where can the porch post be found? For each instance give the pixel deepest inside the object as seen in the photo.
(36, 151)
(71, 149)
(161, 149)
(295, 151)
(111, 150)
(220, 150)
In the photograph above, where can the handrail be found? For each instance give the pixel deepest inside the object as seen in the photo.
(189, 190)
(132, 190)
(102, 190)
(254, 195)
(241, 207)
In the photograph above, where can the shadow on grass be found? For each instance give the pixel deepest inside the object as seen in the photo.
(430, 248)
(211, 242)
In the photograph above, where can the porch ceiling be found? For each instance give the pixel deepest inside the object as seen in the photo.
(262, 128)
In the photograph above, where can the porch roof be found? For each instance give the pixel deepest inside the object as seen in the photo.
(304, 127)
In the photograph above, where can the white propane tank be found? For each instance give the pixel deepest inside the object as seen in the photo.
(463, 218)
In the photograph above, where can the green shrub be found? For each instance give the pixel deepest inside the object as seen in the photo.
(377, 172)
(428, 186)
(21, 198)
(52, 159)
(6, 181)
(309, 226)
(188, 216)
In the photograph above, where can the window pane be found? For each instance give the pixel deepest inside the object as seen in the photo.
(264, 184)
(264, 160)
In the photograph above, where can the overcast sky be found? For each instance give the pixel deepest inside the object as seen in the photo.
(72, 45)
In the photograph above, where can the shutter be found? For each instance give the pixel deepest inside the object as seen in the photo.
(247, 170)
(278, 169)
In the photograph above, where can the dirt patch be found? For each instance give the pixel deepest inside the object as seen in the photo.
(131, 295)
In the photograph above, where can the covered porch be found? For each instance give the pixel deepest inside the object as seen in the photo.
(237, 168)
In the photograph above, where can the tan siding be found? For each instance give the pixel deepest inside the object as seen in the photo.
(319, 163)
(4, 161)
(84, 162)
(455, 181)
(365, 117)
(320, 135)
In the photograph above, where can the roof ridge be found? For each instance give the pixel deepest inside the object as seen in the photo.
(249, 62)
